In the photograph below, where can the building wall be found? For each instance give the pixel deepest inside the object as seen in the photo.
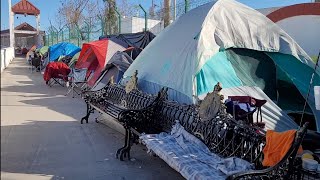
(136, 24)
(7, 55)
(5, 40)
(126, 25)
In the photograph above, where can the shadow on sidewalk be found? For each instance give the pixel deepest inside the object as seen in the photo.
(67, 150)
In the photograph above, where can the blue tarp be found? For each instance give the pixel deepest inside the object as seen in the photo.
(62, 49)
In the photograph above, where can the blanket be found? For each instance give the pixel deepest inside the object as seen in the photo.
(56, 70)
(190, 156)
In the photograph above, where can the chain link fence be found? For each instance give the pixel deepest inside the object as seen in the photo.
(140, 22)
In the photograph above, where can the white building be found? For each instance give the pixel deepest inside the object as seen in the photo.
(136, 24)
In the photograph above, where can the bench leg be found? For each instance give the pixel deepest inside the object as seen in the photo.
(125, 150)
(89, 111)
(97, 121)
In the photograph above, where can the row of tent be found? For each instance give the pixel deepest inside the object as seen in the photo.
(107, 57)
(222, 41)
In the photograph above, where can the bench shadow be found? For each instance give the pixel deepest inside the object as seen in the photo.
(64, 149)
(68, 150)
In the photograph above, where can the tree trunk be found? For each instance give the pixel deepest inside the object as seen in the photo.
(166, 18)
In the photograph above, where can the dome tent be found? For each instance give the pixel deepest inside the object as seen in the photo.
(242, 49)
(96, 54)
(114, 69)
(62, 49)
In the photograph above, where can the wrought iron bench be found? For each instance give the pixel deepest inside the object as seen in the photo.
(218, 131)
(113, 99)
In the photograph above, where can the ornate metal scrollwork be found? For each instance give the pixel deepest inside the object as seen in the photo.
(132, 83)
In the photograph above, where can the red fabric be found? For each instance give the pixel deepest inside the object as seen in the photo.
(56, 70)
(247, 99)
(95, 48)
(93, 57)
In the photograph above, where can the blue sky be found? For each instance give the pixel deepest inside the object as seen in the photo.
(49, 8)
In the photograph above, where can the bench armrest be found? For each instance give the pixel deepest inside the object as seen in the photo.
(141, 118)
(264, 173)
(284, 168)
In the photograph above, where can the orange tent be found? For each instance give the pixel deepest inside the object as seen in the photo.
(34, 47)
(95, 55)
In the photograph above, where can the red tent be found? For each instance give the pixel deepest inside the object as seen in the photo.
(95, 55)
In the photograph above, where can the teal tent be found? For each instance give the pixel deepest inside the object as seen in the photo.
(228, 42)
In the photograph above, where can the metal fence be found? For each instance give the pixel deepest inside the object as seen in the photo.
(137, 23)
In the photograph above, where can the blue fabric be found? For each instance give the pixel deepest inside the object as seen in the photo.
(190, 157)
(217, 69)
(62, 49)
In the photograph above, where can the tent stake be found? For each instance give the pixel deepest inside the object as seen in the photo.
(310, 84)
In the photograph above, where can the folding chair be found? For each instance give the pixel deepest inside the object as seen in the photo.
(56, 73)
(77, 80)
(56, 80)
(243, 108)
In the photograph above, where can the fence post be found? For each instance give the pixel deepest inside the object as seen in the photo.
(186, 6)
(145, 18)
(78, 35)
(57, 33)
(69, 34)
(51, 38)
(102, 27)
(88, 33)
(119, 19)
(62, 36)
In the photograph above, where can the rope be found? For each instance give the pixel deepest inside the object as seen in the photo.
(310, 84)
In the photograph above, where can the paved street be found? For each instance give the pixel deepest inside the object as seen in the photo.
(42, 138)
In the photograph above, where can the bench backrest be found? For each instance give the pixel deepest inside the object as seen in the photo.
(117, 95)
(222, 134)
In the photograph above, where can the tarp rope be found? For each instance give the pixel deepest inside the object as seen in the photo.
(310, 84)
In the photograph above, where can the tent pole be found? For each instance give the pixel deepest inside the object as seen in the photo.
(310, 84)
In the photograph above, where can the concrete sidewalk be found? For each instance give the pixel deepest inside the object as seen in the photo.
(42, 138)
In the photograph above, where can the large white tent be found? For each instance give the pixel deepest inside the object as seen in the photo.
(228, 42)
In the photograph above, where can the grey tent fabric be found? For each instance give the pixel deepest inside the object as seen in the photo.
(139, 40)
(115, 68)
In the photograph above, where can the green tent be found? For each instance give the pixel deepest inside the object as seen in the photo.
(74, 60)
(43, 50)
